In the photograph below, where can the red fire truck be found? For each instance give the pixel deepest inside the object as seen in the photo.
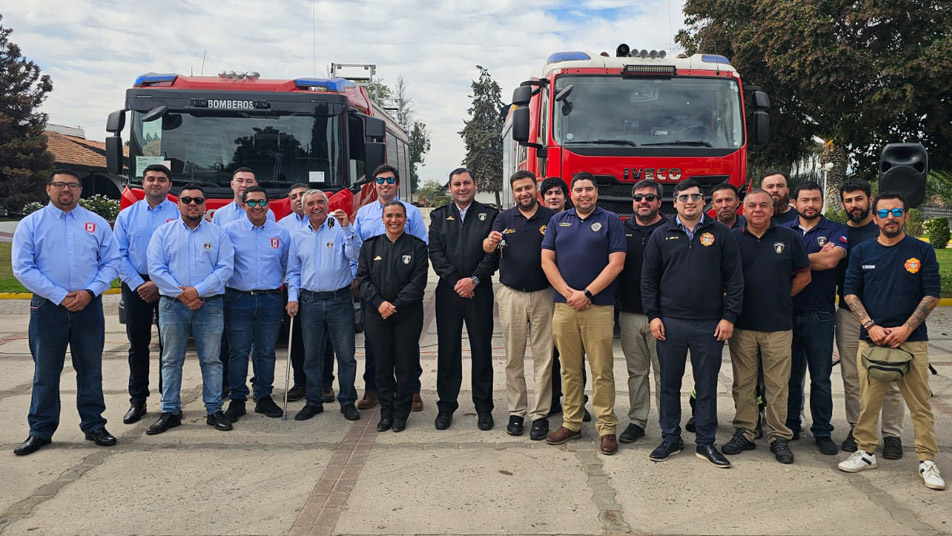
(636, 115)
(323, 132)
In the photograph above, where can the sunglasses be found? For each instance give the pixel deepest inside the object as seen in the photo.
(71, 185)
(693, 197)
(388, 180)
(896, 212)
(647, 197)
(257, 203)
(190, 200)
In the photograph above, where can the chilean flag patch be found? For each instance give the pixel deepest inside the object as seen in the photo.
(90, 227)
(275, 243)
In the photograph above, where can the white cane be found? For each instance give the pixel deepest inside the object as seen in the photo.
(287, 375)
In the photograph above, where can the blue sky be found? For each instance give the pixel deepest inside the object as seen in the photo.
(94, 50)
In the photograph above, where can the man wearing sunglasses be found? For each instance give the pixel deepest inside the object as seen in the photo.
(242, 179)
(134, 228)
(253, 303)
(892, 285)
(368, 223)
(67, 257)
(190, 260)
(637, 343)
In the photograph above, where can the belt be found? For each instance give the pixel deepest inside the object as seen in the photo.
(203, 298)
(256, 292)
(339, 293)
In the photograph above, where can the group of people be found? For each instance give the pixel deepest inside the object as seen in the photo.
(765, 281)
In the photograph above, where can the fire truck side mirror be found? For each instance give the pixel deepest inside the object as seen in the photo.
(522, 95)
(375, 154)
(761, 133)
(116, 122)
(761, 100)
(520, 124)
(374, 128)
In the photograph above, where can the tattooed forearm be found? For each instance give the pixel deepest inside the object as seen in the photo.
(856, 307)
(922, 311)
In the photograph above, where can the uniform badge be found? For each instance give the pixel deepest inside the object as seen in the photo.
(542, 230)
(565, 224)
(821, 240)
(207, 246)
(378, 258)
(90, 227)
(481, 216)
(912, 265)
(275, 243)
(329, 245)
(596, 226)
(778, 247)
(406, 259)
(707, 239)
(450, 218)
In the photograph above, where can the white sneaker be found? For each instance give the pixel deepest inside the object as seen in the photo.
(859, 461)
(930, 475)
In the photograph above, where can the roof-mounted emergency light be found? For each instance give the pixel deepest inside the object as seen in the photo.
(715, 58)
(568, 56)
(235, 75)
(324, 84)
(634, 70)
(155, 79)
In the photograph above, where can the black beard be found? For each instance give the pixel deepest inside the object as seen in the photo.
(780, 205)
(898, 232)
(858, 217)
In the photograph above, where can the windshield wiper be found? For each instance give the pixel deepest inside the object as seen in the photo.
(694, 143)
(603, 142)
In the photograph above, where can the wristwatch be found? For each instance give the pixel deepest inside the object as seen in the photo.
(588, 294)
(868, 324)
(475, 280)
(91, 293)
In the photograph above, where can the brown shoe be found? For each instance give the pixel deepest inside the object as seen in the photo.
(417, 404)
(368, 401)
(608, 444)
(562, 435)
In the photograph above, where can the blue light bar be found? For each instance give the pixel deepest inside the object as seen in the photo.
(715, 58)
(326, 84)
(568, 56)
(148, 79)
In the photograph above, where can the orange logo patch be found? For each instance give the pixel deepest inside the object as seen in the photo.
(913, 265)
(707, 239)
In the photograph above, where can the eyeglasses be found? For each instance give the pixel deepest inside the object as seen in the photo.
(647, 197)
(71, 185)
(896, 212)
(693, 197)
(388, 180)
(190, 200)
(257, 203)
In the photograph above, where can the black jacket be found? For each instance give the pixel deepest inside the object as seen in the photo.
(636, 236)
(392, 271)
(456, 248)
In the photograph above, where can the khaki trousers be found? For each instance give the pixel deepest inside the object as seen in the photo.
(775, 348)
(914, 387)
(522, 314)
(587, 332)
(847, 342)
(641, 354)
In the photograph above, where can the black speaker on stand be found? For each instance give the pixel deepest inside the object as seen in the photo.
(903, 168)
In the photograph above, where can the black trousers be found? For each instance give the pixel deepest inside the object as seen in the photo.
(477, 313)
(139, 318)
(395, 346)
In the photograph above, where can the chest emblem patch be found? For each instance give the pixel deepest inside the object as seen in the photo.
(406, 259)
(378, 258)
(169, 219)
(207, 246)
(596, 226)
(778, 247)
(481, 216)
(542, 230)
(90, 227)
(821, 240)
(450, 218)
(329, 245)
(275, 243)
(707, 239)
(912, 265)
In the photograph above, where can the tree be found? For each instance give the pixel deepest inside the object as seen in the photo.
(24, 161)
(379, 92)
(419, 146)
(857, 73)
(400, 99)
(482, 134)
(403, 102)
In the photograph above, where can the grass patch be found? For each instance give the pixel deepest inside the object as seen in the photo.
(8, 283)
(945, 270)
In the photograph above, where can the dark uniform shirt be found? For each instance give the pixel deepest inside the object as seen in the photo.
(856, 236)
(456, 245)
(770, 263)
(392, 271)
(520, 260)
(785, 218)
(636, 236)
(582, 247)
(892, 280)
(819, 294)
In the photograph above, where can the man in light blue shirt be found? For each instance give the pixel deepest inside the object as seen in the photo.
(242, 179)
(140, 296)
(369, 223)
(190, 260)
(319, 275)
(254, 304)
(67, 257)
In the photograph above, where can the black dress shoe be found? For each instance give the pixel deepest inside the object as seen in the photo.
(586, 416)
(826, 446)
(443, 420)
(690, 425)
(350, 412)
(308, 411)
(555, 409)
(236, 408)
(166, 421)
(540, 429)
(296, 393)
(739, 443)
(666, 449)
(515, 425)
(632, 433)
(711, 454)
(31, 445)
(384, 424)
(136, 411)
(268, 408)
(399, 425)
(219, 421)
(101, 437)
(485, 421)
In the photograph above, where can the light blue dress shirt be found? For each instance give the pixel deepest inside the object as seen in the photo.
(261, 255)
(232, 212)
(293, 223)
(320, 259)
(56, 252)
(181, 257)
(134, 228)
(369, 223)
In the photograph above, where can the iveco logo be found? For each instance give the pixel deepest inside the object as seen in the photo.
(661, 174)
(221, 104)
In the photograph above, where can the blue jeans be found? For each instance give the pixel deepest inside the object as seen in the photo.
(205, 325)
(323, 315)
(813, 349)
(253, 324)
(52, 327)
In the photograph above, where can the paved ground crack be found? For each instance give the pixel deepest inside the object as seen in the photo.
(610, 513)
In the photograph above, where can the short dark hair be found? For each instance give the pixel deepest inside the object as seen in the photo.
(244, 170)
(297, 185)
(854, 185)
(889, 195)
(244, 195)
(193, 186)
(383, 168)
(582, 176)
(770, 172)
(554, 182)
(647, 183)
(521, 174)
(460, 171)
(394, 202)
(686, 185)
(725, 186)
(806, 185)
(64, 171)
(158, 167)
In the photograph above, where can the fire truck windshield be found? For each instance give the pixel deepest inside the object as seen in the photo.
(208, 148)
(634, 111)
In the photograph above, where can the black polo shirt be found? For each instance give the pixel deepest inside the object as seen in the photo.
(856, 236)
(769, 262)
(520, 261)
(820, 294)
(636, 236)
(785, 218)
